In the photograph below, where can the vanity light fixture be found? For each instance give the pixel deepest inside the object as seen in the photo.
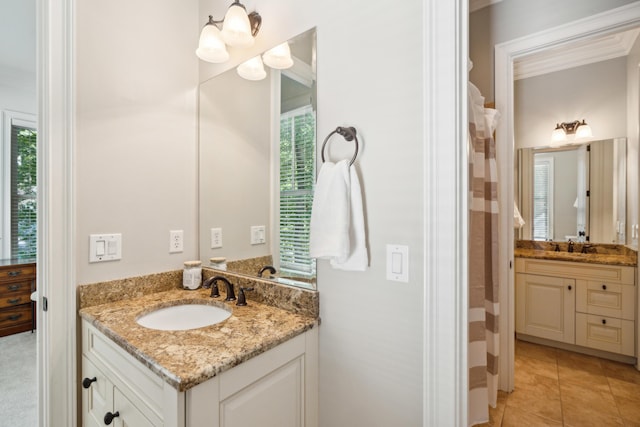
(580, 130)
(238, 30)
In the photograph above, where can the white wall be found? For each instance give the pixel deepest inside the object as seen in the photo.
(508, 20)
(633, 140)
(596, 93)
(135, 175)
(371, 332)
(136, 82)
(18, 56)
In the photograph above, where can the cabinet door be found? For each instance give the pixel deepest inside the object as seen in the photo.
(545, 307)
(273, 401)
(97, 398)
(128, 414)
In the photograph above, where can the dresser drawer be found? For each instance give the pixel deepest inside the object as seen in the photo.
(16, 272)
(605, 299)
(17, 298)
(605, 333)
(13, 289)
(14, 316)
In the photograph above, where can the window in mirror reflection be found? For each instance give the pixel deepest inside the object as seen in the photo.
(297, 180)
(543, 198)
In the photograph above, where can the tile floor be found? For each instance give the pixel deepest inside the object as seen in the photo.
(556, 387)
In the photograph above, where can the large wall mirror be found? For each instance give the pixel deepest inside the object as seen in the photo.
(574, 192)
(257, 168)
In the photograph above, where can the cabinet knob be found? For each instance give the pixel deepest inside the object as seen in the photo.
(108, 417)
(569, 287)
(604, 287)
(604, 321)
(86, 383)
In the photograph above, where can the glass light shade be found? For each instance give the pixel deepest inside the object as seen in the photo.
(252, 69)
(279, 57)
(211, 48)
(236, 29)
(558, 135)
(584, 131)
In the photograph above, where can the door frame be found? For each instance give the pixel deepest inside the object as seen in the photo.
(56, 215)
(506, 53)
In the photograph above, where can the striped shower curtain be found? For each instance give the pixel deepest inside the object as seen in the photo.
(484, 342)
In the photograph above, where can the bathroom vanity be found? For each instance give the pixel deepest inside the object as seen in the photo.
(258, 367)
(584, 302)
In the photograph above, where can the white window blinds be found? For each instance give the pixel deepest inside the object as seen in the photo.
(543, 199)
(23, 192)
(297, 181)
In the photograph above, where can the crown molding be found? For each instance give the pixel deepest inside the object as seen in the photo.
(575, 54)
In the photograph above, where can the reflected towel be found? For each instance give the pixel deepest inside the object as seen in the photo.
(337, 218)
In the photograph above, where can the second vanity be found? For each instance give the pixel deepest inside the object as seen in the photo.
(585, 302)
(258, 367)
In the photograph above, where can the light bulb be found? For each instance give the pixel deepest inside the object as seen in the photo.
(583, 131)
(558, 135)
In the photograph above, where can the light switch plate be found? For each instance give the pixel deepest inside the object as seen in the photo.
(398, 263)
(105, 247)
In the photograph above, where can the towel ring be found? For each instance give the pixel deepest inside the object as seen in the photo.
(349, 134)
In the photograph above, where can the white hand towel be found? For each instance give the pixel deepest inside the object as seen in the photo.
(337, 219)
(358, 259)
(330, 212)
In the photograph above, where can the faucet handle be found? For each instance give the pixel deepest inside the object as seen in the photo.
(242, 301)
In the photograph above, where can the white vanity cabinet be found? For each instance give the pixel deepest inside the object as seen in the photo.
(588, 305)
(277, 388)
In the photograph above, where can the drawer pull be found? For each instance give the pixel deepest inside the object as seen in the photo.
(604, 287)
(108, 417)
(86, 383)
(13, 301)
(604, 321)
(14, 316)
(14, 273)
(14, 287)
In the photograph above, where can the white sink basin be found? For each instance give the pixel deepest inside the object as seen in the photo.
(184, 316)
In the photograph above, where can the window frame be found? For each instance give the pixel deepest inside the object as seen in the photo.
(9, 119)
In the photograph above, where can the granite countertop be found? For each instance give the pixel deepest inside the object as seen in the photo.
(597, 253)
(186, 358)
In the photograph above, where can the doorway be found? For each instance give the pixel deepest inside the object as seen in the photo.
(506, 54)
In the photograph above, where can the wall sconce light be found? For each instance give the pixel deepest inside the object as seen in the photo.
(278, 57)
(238, 30)
(577, 128)
(252, 69)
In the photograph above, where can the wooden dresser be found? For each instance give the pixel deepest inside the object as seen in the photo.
(17, 282)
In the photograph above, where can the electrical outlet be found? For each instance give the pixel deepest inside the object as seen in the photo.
(176, 241)
(258, 234)
(216, 238)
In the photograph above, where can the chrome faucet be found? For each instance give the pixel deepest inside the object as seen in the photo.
(265, 268)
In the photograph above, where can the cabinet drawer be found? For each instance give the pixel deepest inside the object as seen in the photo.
(14, 316)
(577, 270)
(11, 289)
(605, 333)
(13, 300)
(605, 299)
(17, 272)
